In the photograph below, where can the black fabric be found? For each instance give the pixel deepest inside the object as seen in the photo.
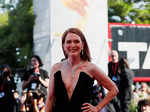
(125, 88)
(114, 105)
(17, 105)
(6, 102)
(111, 72)
(122, 101)
(83, 92)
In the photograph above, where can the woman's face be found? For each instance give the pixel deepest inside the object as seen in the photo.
(145, 108)
(34, 62)
(73, 44)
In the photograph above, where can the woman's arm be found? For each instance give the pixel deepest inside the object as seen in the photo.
(50, 97)
(106, 82)
(45, 82)
(27, 82)
(51, 94)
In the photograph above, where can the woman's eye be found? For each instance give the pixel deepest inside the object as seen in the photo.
(76, 41)
(68, 41)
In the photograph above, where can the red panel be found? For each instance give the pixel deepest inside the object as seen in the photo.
(109, 39)
(141, 79)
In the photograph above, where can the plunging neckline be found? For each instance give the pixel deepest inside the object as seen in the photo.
(73, 91)
(83, 92)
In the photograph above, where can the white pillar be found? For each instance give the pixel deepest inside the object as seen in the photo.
(42, 41)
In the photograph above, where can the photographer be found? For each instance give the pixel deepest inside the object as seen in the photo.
(7, 86)
(36, 78)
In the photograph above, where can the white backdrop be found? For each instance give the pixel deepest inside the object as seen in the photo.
(90, 17)
(55, 16)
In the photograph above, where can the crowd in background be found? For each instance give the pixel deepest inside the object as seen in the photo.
(31, 97)
(141, 90)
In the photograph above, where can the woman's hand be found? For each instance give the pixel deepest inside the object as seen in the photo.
(87, 107)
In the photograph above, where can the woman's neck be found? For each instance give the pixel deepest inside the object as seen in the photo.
(74, 61)
(37, 70)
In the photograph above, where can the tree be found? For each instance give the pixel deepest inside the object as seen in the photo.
(17, 36)
(4, 19)
(129, 11)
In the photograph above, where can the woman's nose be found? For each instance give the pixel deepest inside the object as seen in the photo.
(72, 44)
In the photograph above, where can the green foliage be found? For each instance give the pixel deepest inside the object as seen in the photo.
(129, 11)
(133, 107)
(18, 33)
(3, 19)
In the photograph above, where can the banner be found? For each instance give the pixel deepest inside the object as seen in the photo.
(132, 41)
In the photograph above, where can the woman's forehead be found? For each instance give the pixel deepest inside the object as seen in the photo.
(72, 35)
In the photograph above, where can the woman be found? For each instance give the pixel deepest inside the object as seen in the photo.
(7, 85)
(71, 81)
(125, 85)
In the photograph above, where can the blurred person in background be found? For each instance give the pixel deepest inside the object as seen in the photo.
(38, 103)
(23, 101)
(144, 105)
(35, 102)
(144, 91)
(17, 101)
(113, 73)
(135, 95)
(36, 78)
(125, 85)
(113, 67)
(28, 101)
(7, 87)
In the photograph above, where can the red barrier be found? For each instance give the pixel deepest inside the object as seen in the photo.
(141, 79)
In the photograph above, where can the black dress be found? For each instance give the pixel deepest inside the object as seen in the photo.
(83, 92)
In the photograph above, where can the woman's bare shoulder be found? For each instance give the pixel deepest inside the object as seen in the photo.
(93, 69)
(56, 67)
(89, 67)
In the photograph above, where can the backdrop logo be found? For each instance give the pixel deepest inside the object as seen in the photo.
(132, 42)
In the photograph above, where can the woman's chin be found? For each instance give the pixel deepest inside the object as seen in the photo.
(74, 54)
